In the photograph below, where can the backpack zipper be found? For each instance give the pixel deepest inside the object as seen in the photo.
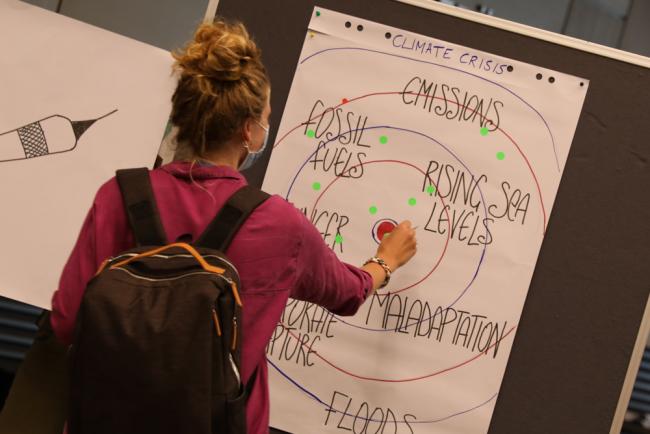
(234, 368)
(215, 319)
(233, 365)
(172, 278)
(234, 333)
(127, 255)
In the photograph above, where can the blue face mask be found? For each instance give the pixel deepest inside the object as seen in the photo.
(252, 157)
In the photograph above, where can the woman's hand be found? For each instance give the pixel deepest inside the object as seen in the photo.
(395, 249)
(398, 246)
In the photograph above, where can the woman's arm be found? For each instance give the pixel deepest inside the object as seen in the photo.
(340, 287)
(80, 268)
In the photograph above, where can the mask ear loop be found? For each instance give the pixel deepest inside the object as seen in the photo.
(247, 146)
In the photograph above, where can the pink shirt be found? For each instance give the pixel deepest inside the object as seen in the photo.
(278, 253)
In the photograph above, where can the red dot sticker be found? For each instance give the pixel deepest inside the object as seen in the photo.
(383, 227)
(344, 101)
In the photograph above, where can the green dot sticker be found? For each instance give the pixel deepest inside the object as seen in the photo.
(484, 131)
(431, 189)
(501, 155)
(373, 210)
(316, 186)
(311, 134)
(318, 13)
(338, 239)
(412, 201)
(383, 140)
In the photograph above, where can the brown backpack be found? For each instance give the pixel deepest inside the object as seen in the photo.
(156, 347)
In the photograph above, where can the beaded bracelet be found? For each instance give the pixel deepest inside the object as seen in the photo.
(383, 265)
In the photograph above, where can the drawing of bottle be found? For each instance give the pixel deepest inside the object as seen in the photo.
(52, 135)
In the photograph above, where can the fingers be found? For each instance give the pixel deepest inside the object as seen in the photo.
(405, 224)
(410, 241)
(408, 230)
(401, 245)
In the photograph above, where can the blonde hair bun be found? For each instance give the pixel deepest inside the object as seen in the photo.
(220, 51)
(221, 83)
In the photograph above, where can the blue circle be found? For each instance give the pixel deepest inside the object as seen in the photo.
(480, 262)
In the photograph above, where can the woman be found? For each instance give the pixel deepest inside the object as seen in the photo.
(221, 112)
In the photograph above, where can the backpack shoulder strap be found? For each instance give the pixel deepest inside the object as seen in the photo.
(229, 219)
(141, 208)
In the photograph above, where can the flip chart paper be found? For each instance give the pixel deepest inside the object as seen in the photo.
(383, 125)
(78, 103)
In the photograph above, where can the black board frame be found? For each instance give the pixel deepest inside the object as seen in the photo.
(589, 292)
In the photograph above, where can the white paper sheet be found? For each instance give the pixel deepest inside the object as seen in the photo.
(383, 125)
(58, 73)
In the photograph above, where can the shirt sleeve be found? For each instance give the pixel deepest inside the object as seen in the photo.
(325, 280)
(80, 268)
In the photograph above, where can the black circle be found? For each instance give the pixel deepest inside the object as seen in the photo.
(539, 76)
(348, 24)
(388, 35)
(360, 27)
(551, 79)
(582, 84)
(510, 68)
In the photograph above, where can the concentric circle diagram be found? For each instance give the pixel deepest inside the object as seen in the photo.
(357, 169)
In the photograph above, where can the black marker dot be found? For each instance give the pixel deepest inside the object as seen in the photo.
(388, 35)
(551, 79)
(348, 24)
(360, 28)
(539, 76)
(510, 68)
(582, 84)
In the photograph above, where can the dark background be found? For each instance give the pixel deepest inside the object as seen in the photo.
(590, 287)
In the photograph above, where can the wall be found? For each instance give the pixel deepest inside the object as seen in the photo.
(547, 14)
(636, 37)
(167, 24)
(47, 4)
(616, 23)
(598, 21)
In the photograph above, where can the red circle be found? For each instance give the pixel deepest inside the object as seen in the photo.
(446, 210)
(530, 168)
(403, 380)
(384, 228)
